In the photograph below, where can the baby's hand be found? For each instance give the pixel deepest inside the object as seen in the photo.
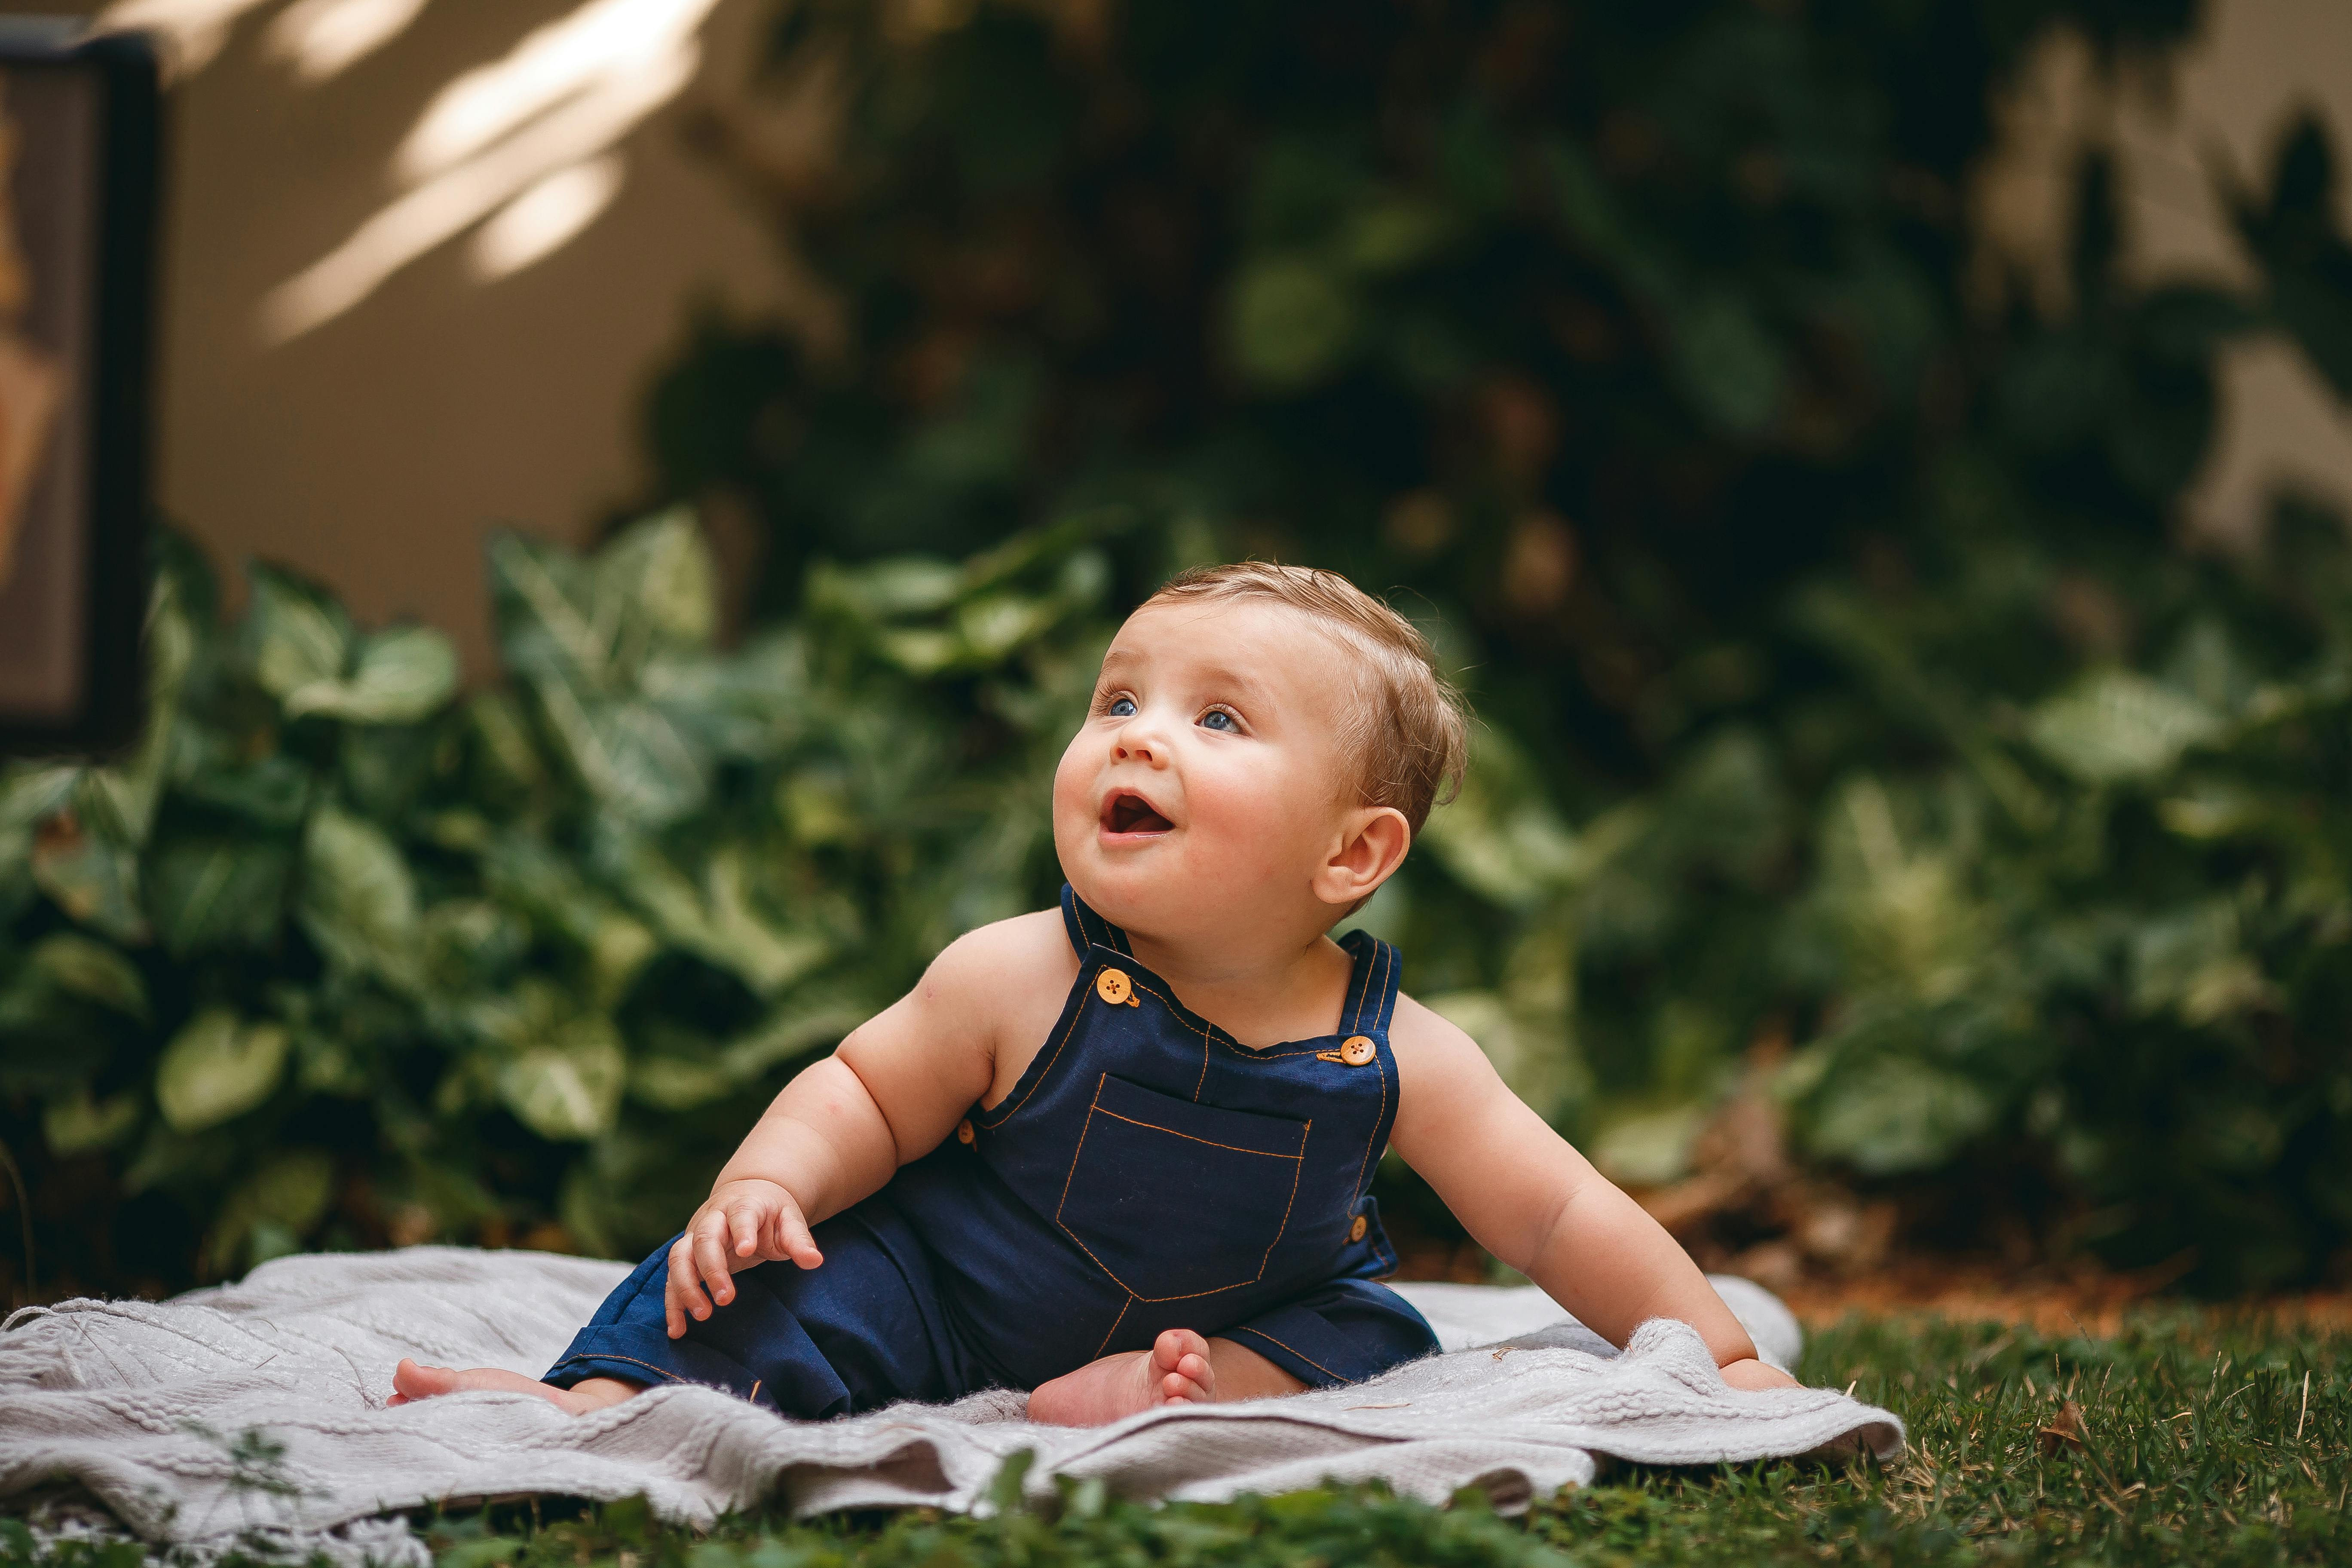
(741, 1226)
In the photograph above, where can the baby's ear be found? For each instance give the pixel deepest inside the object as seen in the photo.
(1372, 845)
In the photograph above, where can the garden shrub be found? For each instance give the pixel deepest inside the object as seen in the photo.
(342, 957)
(1657, 357)
(1857, 727)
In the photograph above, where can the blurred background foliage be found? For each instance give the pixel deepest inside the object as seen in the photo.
(343, 957)
(1886, 827)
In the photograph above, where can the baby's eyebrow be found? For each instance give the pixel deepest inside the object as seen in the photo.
(1240, 682)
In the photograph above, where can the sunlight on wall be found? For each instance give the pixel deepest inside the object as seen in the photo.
(319, 37)
(526, 146)
(602, 43)
(543, 217)
(191, 30)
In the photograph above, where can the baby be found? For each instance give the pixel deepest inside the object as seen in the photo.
(1117, 1153)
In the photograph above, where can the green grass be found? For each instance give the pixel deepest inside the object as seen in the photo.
(2209, 1442)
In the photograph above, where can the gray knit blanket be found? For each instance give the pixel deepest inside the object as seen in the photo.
(254, 1413)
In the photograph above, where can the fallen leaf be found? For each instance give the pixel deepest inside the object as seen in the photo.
(2065, 1430)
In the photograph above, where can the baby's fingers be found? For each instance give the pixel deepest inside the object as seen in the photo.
(743, 1229)
(710, 1260)
(789, 1233)
(679, 1288)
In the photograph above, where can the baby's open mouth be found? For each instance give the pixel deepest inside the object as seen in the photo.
(1129, 813)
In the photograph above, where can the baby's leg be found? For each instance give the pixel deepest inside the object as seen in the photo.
(1243, 1374)
(1181, 1368)
(860, 1332)
(413, 1381)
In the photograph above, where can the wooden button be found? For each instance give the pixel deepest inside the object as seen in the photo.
(963, 1130)
(1113, 986)
(1356, 1231)
(1357, 1050)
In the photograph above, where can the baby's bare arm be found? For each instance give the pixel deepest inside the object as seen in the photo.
(1529, 1198)
(894, 1088)
(834, 1134)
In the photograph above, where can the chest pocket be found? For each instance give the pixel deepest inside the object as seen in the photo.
(1175, 1199)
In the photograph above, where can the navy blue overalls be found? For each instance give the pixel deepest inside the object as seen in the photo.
(1146, 1172)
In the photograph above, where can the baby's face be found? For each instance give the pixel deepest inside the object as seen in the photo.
(1207, 784)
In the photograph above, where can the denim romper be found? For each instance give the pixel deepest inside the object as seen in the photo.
(1146, 1172)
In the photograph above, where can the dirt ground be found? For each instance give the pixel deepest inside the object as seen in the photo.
(2095, 1304)
(1746, 1208)
(2050, 1302)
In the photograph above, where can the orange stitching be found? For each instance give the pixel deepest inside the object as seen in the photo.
(1084, 1128)
(754, 1394)
(1155, 1300)
(1365, 1159)
(1209, 1032)
(1297, 1172)
(1046, 1071)
(1302, 1355)
(1305, 1128)
(1362, 992)
(1113, 938)
(610, 1355)
(1114, 1322)
(1205, 1029)
(1154, 1127)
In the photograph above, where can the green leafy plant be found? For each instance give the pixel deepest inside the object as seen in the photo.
(341, 956)
(1862, 750)
(1837, 648)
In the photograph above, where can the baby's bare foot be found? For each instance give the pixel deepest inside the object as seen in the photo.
(1174, 1371)
(413, 1381)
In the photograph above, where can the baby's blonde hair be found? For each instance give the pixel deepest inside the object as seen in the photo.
(1412, 729)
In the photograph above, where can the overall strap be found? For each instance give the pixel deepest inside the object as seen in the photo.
(1372, 993)
(1089, 929)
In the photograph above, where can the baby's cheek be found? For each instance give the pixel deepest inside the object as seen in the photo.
(1072, 780)
(1254, 822)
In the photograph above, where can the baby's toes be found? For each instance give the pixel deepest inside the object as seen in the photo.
(413, 1379)
(1169, 1351)
(1178, 1389)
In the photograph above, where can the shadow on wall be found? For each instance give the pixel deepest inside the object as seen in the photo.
(421, 254)
(2256, 65)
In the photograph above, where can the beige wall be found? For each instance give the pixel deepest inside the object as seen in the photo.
(376, 451)
(2222, 109)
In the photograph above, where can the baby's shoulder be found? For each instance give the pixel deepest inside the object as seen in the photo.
(1431, 1051)
(1005, 962)
(1419, 1031)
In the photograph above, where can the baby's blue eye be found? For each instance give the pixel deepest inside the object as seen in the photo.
(1216, 719)
(1121, 707)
